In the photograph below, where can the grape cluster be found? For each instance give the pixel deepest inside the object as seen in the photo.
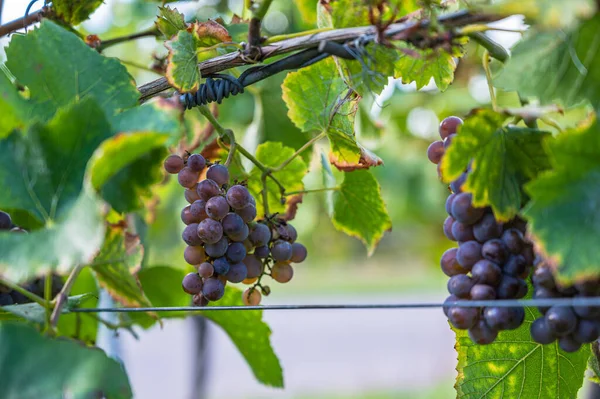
(572, 326)
(492, 259)
(225, 244)
(9, 296)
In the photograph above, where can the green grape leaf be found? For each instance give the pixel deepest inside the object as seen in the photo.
(51, 160)
(502, 159)
(342, 13)
(272, 154)
(158, 116)
(13, 107)
(557, 66)
(65, 242)
(308, 11)
(251, 335)
(58, 68)
(60, 366)
(36, 313)
(170, 22)
(423, 65)
(317, 100)
(73, 12)
(514, 366)
(359, 210)
(563, 211)
(188, 48)
(116, 264)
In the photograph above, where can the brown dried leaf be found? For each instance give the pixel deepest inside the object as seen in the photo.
(210, 33)
(367, 160)
(292, 206)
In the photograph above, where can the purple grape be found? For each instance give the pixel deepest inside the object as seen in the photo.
(463, 318)
(463, 209)
(187, 177)
(456, 185)
(173, 164)
(587, 331)
(482, 334)
(513, 240)
(207, 189)
(486, 272)
(495, 251)
(482, 292)
(238, 196)
(468, 254)
(233, 224)
(569, 344)
(460, 285)
(587, 312)
(260, 234)
(194, 255)
(5, 299)
(281, 250)
(236, 252)
(515, 266)
(523, 288)
(187, 217)
(213, 289)
(448, 228)
(449, 265)
(199, 300)
(254, 266)
(206, 270)
(561, 320)
(449, 126)
(262, 251)
(541, 333)
(487, 228)
(508, 288)
(435, 151)
(544, 293)
(198, 210)
(462, 232)
(190, 235)
(191, 195)
(528, 253)
(196, 162)
(448, 141)
(542, 277)
(449, 204)
(237, 272)
(221, 265)
(248, 213)
(210, 231)
(299, 253)
(291, 235)
(499, 318)
(219, 174)
(217, 207)
(217, 249)
(451, 298)
(192, 283)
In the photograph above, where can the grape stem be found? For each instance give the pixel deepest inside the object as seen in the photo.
(488, 76)
(314, 190)
(299, 151)
(48, 297)
(63, 295)
(29, 295)
(253, 53)
(122, 39)
(115, 327)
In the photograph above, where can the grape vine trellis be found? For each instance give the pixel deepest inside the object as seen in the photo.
(82, 150)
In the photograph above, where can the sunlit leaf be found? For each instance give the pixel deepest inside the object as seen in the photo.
(170, 21)
(74, 12)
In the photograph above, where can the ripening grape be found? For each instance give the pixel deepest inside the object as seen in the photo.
(282, 272)
(482, 334)
(233, 225)
(221, 265)
(192, 283)
(236, 252)
(291, 235)
(187, 217)
(210, 231)
(240, 236)
(217, 207)
(448, 228)
(449, 126)
(213, 289)
(299, 253)
(217, 249)
(206, 270)
(191, 194)
(561, 320)
(494, 250)
(238, 196)
(199, 300)
(198, 210)
(486, 272)
(251, 297)
(196, 162)
(254, 266)
(449, 265)
(237, 272)
(460, 285)
(449, 201)
(463, 318)
(190, 235)
(435, 151)
(463, 209)
(262, 251)
(194, 255)
(173, 164)
(487, 228)
(187, 177)
(462, 232)
(481, 292)
(468, 254)
(250, 280)
(260, 235)
(5, 221)
(247, 213)
(207, 189)
(219, 174)
(281, 250)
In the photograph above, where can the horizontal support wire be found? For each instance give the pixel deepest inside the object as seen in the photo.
(504, 303)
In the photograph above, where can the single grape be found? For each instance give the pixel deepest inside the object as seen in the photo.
(541, 333)
(515, 266)
(217, 207)
(217, 249)
(299, 253)
(210, 231)
(207, 189)
(250, 280)
(468, 254)
(449, 126)
(237, 273)
(569, 344)
(542, 277)
(187, 217)
(196, 162)
(190, 235)
(486, 272)
(291, 235)
(448, 228)
(265, 290)
(508, 288)
(462, 232)
(219, 174)
(254, 265)
(199, 300)
(587, 312)
(5, 221)
(499, 318)
(206, 270)
(191, 194)
(463, 318)
(262, 251)
(448, 141)
(260, 234)
(463, 209)
(482, 292)
(513, 240)
(221, 265)
(487, 228)
(282, 272)
(192, 283)
(435, 151)
(238, 196)
(495, 251)
(544, 293)
(173, 164)
(450, 299)
(561, 320)
(587, 331)
(449, 265)
(233, 225)
(194, 255)
(198, 210)
(482, 334)
(213, 289)
(251, 297)
(5, 299)
(460, 285)
(449, 201)
(187, 177)
(456, 185)
(247, 213)
(281, 250)
(236, 252)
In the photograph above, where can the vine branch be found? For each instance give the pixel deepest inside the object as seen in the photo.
(63, 295)
(122, 39)
(22, 23)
